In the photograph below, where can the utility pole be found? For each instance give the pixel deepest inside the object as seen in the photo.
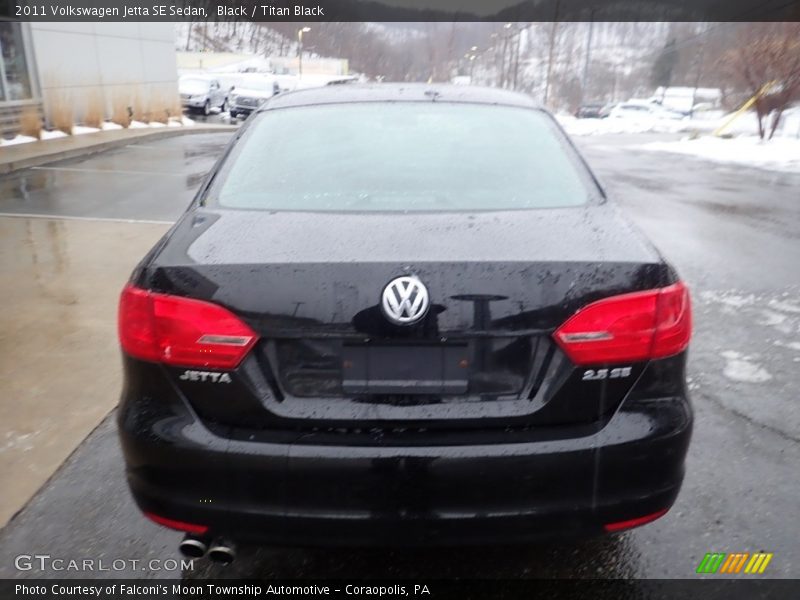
(550, 55)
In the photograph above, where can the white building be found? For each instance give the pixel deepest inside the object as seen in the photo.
(75, 64)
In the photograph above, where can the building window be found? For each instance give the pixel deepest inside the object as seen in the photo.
(15, 79)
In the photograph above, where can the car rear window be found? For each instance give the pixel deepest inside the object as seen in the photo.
(401, 157)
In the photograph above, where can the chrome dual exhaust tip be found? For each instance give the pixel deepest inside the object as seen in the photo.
(220, 551)
(193, 547)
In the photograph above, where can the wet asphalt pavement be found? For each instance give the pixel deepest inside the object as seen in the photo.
(147, 181)
(734, 235)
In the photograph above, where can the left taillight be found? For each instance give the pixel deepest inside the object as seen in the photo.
(181, 331)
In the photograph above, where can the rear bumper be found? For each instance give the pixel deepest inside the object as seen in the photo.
(298, 491)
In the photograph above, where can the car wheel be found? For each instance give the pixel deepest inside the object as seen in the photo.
(207, 108)
(233, 114)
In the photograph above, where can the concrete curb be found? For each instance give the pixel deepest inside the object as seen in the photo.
(22, 156)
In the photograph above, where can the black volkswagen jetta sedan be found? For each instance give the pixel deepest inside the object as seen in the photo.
(402, 314)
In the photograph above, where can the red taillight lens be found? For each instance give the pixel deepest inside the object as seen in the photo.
(178, 525)
(674, 322)
(630, 327)
(181, 331)
(631, 523)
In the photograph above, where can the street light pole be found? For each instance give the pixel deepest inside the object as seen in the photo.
(300, 33)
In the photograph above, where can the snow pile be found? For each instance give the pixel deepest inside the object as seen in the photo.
(701, 122)
(20, 139)
(778, 154)
(575, 126)
(81, 130)
(53, 135)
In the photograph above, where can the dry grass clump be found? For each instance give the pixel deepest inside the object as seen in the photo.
(62, 112)
(30, 122)
(175, 109)
(121, 111)
(140, 108)
(95, 109)
(160, 111)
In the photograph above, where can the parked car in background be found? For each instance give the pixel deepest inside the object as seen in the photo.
(589, 111)
(606, 110)
(251, 93)
(202, 93)
(643, 110)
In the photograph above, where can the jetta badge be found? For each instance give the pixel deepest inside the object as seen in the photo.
(405, 300)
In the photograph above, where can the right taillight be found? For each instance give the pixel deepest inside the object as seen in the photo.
(629, 327)
(181, 331)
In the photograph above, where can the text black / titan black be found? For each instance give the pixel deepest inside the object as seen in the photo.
(391, 340)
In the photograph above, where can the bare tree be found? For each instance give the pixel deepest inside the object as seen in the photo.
(767, 63)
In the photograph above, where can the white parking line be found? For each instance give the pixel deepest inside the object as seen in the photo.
(108, 171)
(74, 218)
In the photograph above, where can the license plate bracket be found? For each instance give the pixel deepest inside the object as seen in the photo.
(405, 369)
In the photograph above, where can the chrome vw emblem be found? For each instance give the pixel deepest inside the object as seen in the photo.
(405, 300)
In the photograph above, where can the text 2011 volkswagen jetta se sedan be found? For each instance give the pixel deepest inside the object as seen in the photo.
(402, 314)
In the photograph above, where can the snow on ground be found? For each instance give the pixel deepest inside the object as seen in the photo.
(701, 122)
(785, 306)
(779, 312)
(729, 298)
(52, 135)
(81, 130)
(790, 345)
(778, 154)
(20, 139)
(739, 367)
(575, 126)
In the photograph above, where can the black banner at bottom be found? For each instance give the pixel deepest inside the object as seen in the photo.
(221, 589)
